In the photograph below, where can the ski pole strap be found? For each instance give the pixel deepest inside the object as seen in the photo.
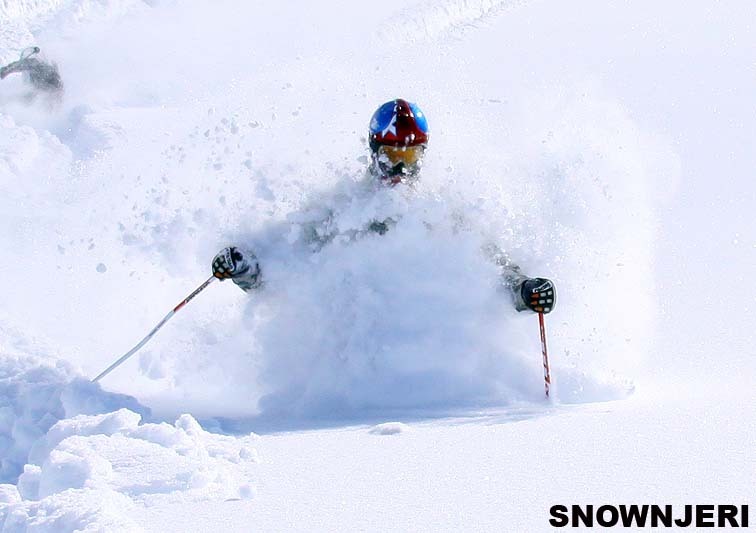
(160, 324)
(28, 52)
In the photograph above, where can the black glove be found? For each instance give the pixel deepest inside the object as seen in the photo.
(230, 263)
(538, 294)
(241, 267)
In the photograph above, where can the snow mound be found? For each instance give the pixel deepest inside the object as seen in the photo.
(35, 393)
(389, 428)
(72, 510)
(28, 154)
(91, 471)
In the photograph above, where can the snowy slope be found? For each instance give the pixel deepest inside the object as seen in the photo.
(499, 472)
(605, 147)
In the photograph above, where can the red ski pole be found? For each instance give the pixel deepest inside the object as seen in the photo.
(546, 371)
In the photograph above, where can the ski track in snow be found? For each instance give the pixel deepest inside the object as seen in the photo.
(423, 22)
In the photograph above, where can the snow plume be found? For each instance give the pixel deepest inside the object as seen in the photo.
(364, 323)
(417, 317)
(573, 198)
(253, 153)
(414, 318)
(607, 179)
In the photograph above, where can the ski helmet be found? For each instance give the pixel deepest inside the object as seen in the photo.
(398, 138)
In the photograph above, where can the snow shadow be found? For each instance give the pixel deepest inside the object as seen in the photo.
(266, 424)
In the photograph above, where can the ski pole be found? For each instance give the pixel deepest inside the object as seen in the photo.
(546, 371)
(154, 330)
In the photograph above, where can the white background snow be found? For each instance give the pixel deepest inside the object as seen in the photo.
(389, 384)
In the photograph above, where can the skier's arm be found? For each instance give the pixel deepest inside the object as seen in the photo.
(528, 294)
(240, 266)
(16, 66)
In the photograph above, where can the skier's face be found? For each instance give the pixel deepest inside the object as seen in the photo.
(398, 164)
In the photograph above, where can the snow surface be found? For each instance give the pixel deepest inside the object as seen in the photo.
(607, 147)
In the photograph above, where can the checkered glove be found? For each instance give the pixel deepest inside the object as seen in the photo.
(537, 294)
(241, 267)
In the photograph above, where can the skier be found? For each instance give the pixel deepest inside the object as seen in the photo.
(398, 138)
(41, 75)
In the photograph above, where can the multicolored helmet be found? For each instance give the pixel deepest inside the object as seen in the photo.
(398, 138)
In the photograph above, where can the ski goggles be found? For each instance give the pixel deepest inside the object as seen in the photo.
(394, 155)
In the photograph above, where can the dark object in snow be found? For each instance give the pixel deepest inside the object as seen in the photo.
(536, 294)
(43, 76)
(242, 267)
